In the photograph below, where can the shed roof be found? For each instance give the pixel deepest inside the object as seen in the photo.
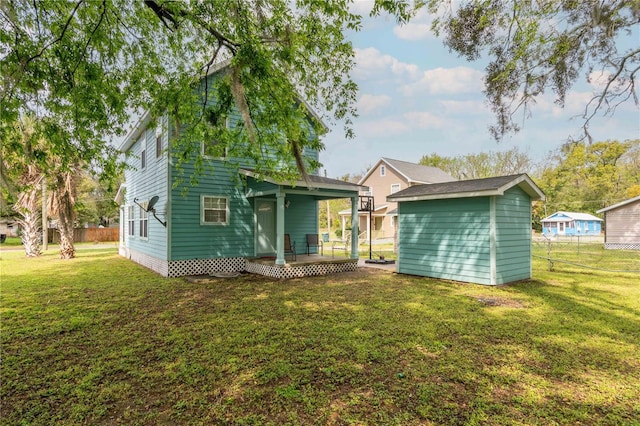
(621, 204)
(413, 173)
(569, 216)
(469, 188)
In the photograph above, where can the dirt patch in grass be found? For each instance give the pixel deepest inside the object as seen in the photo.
(500, 302)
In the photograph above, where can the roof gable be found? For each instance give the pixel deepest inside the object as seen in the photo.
(621, 204)
(469, 188)
(411, 172)
(567, 216)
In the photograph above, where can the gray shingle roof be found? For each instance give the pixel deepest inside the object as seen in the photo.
(418, 172)
(468, 188)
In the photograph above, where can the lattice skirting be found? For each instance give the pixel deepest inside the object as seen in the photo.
(622, 246)
(301, 270)
(178, 268)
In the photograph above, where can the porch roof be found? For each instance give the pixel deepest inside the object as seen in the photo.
(318, 186)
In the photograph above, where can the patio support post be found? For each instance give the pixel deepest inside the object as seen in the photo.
(354, 227)
(280, 260)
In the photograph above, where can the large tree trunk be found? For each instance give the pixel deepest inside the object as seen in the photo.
(65, 195)
(28, 207)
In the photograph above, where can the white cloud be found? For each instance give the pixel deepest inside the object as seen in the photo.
(371, 62)
(464, 107)
(446, 81)
(369, 103)
(381, 128)
(419, 28)
(423, 120)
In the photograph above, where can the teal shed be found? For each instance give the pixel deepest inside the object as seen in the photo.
(476, 231)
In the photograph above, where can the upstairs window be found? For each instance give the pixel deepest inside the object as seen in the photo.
(395, 188)
(214, 210)
(383, 171)
(143, 152)
(215, 148)
(159, 146)
(131, 221)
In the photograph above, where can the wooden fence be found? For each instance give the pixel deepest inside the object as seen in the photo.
(83, 235)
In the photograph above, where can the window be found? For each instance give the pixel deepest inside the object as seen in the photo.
(215, 210)
(383, 171)
(215, 148)
(131, 221)
(158, 146)
(143, 152)
(395, 188)
(144, 221)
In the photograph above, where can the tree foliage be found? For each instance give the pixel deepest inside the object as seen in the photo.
(587, 177)
(534, 47)
(482, 165)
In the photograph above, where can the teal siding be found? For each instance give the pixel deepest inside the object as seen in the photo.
(192, 240)
(446, 239)
(300, 219)
(144, 184)
(513, 236)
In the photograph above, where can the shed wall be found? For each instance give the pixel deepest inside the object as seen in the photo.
(623, 225)
(448, 239)
(513, 236)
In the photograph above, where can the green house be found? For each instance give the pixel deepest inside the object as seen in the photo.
(476, 231)
(231, 220)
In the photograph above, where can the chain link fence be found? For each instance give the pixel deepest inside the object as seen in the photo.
(586, 252)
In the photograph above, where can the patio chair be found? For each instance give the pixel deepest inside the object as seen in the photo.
(288, 247)
(344, 244)
(314, 241)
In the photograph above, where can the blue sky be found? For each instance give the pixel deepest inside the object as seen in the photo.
(416, 98)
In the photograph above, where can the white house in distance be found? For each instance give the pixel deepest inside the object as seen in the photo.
(387, 177)
(622, 225)
(571, 223)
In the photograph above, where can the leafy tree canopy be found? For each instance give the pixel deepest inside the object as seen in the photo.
(481, 165)
(82, 67)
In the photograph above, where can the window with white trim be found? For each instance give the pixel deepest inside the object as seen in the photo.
(144, 223)
(215, 148)
(131, 220)
(159, 147)
(395, 188)
(214, 210)
(383, 171)
(143, 152)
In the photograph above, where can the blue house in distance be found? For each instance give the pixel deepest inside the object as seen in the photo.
(571, 223)
(232, 220)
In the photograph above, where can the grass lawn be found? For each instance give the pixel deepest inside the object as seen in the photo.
(101, 340)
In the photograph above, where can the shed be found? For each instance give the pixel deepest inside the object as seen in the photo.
(476, 231)
(622, 225)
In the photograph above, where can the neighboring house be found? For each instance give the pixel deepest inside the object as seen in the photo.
(571, 223)
(387, 177)
(225, 221)
(622, 225)
(475, 231)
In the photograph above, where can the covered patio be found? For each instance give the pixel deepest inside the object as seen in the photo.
(291, 208)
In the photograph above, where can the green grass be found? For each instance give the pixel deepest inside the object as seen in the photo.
(101, 340)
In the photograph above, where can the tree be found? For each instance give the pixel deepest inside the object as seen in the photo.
(85, 65)
(482, 165)
(538, 46)
(22, 176)
(586, 177)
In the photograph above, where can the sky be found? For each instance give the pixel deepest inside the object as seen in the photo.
(416, 98)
